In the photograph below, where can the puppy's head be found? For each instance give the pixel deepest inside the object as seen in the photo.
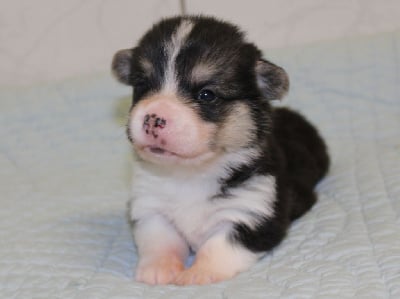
(200, 90)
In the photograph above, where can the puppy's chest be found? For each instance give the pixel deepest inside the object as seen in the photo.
(186, 204)
(194, 218)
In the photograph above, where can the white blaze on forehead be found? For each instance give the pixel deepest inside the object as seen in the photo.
(173, 47)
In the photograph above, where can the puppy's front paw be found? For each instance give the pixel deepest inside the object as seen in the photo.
(200, 275)
(162, 270)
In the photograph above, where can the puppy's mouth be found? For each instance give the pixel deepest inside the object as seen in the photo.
(159, 151)
(161, 155)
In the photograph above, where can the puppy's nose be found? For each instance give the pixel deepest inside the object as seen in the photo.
(152, 124)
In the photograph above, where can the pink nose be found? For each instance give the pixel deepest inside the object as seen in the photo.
(152, 124)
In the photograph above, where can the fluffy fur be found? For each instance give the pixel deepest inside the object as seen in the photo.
(218, 171)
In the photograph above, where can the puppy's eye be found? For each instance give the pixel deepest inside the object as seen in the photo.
(206, 95)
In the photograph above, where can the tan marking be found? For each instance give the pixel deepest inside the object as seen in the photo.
(202, 72)
(147, 66)
(237, 130)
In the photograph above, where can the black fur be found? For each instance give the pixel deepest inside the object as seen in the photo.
(297, 156)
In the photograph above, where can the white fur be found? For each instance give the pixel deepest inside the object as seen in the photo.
(176, 210)
(161, 249)
(173, 48)
(186, 201)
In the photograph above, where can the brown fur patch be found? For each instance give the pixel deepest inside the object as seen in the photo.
(237, 130)
(202, 72)
(147, 66)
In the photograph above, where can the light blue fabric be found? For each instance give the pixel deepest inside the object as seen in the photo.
(65, 170)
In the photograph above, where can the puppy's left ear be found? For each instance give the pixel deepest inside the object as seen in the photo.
(122, 66)
(272, 80)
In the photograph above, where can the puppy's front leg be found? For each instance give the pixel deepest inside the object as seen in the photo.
(162, 251)
(218, 259)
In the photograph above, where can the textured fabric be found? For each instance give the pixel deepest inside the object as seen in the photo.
(65, 170)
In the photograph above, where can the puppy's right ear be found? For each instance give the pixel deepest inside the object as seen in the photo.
(122, 66)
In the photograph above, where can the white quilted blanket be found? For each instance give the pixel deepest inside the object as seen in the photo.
(64, 181)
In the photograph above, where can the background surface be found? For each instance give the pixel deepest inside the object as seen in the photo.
(45, 40)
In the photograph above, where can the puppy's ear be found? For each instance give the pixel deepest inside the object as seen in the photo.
(121, 66)
(272, 80)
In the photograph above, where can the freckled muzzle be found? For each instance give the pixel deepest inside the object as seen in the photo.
(163, 126)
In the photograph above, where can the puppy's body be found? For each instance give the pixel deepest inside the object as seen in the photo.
(218, 171)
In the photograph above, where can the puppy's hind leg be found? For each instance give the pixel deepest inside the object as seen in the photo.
(302, 199)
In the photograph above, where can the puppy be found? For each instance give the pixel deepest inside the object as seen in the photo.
(218, 171)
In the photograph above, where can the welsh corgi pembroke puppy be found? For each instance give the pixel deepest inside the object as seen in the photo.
(218, 171)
